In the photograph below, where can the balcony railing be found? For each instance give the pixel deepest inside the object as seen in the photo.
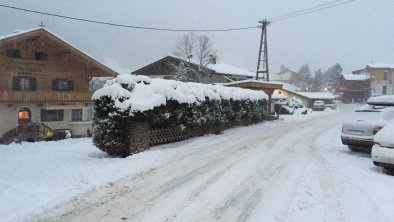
(44, 96)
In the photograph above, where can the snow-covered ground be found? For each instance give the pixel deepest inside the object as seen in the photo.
(293, 169)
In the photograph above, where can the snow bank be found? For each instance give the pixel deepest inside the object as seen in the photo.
(140, 93)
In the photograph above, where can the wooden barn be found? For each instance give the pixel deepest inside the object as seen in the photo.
(44, 85)
(355, 88)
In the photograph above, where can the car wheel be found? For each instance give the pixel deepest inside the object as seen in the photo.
(352, 148)
(389, 171)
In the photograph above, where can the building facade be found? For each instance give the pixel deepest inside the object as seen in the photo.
(382, 78)
(45, 81)
(355, 87)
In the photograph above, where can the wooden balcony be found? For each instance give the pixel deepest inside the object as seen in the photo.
(44, 97)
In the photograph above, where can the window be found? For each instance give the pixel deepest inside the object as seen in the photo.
(52, 115)
(21, 83)
(14, 53)
(76, 115)
(385, 75)
(42, 56)
(384, 90)
(62, 85)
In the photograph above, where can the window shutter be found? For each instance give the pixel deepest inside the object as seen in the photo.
(54, 85)
(33, 82)
(61, 115)
(43, 115)
(71, 85)
(15, 83)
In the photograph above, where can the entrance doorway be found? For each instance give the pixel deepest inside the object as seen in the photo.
(24, 116)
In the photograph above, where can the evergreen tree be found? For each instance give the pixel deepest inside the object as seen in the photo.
(318, 80)
(334, 73)
(283, 68)
(304, 76)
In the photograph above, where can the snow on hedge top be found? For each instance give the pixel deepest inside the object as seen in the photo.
(146, 93)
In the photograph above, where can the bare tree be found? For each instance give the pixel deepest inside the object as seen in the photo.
(184, 46)
(196, 49)
(204, 51)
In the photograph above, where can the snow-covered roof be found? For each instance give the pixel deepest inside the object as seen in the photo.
(289, 87)
(253, 81)
(317, 95)
(278, 96)
(21, 32)
(381, 65)
(229, 69)
(17, 32)
(381, 100)
(146, 93)
(358, 77)
(223, 68)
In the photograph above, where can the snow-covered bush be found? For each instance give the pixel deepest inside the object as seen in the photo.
(294, 102)
(166, 103)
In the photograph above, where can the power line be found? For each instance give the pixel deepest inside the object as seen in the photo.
(127, 26)
(304, 10)
(272, 20)
(310, 10)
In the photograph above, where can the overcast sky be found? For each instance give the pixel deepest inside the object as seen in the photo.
(353, 34)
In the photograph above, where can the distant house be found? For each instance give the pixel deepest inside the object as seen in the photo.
(215, 72)
(286, 76)
(355, 88)
(307, 98)
(44, 85)
(382, 76)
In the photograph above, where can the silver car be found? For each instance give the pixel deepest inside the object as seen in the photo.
(358, 132)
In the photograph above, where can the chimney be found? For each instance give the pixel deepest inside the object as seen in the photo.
(212, 59)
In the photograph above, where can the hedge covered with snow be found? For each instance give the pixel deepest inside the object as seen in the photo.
(166, 103)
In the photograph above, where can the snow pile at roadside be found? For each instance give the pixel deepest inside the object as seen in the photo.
(38, 176)
(140, 93)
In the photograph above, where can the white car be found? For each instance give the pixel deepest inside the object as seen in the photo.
(383, 151)
(318, 105)
(358, 132)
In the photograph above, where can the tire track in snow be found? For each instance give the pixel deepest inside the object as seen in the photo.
(334, 190)
(175, 187)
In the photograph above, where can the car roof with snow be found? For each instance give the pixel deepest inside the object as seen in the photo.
(386, 100)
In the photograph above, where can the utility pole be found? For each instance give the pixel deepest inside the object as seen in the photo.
(263, 68)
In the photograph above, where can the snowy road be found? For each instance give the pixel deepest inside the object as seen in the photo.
(293, 169)
(272, 173)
